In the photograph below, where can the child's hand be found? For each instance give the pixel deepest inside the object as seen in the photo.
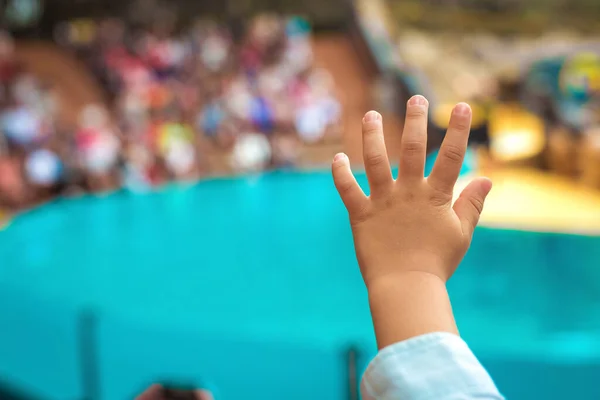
(409, 225)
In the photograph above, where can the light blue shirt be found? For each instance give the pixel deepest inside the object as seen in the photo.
(436, 366)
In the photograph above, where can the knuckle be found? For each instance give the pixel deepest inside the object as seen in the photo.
(439, 198)
(371, 128)
(413, 147)
(409, 196)
(383, 200)
(375, 160)
(454, 153)
(416, 113)
(346, 187)
(359, 216)
(461, 125)
(477, 204)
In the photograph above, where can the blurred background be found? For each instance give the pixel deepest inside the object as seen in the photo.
(167, 213)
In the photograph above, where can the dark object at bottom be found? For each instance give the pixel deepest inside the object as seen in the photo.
(178, 394)
(7, 393)
(352, 357)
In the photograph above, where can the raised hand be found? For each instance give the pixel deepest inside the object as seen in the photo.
(409, 224)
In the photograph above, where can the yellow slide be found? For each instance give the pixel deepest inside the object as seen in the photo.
(4, 219)
(532, 200)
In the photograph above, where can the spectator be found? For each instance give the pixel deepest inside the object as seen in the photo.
(8, 67)
(21, 126)
(252, 153)
(211, 118)
(13, 192)
(215, 50)
(285, 150)
(137, 170)
(176, 144)
(43, 170)
(98, 148)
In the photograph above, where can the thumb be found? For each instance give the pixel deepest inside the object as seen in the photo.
(469, 205)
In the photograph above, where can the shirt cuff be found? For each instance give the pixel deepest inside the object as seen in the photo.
(433, 366)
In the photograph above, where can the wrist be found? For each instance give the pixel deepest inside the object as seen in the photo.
(409, 304)
(408, 266)
(396, 279)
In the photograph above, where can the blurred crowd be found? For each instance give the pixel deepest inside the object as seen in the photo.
(182, 104)
(31, 143)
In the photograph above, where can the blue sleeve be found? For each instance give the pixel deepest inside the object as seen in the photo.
(437, 366)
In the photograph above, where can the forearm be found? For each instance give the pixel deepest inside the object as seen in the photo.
(409, 305)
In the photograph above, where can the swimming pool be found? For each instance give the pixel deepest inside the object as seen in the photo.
(250, 286)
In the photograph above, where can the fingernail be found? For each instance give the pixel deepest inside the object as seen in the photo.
(417, 100)
(372, 116)
(338, 157)
(462, 109)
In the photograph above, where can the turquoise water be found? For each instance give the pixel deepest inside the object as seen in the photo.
(250, 286)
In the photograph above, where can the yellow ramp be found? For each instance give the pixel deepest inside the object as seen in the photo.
(528, 199)
(4, 219)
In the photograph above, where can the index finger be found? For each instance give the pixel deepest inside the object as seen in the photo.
(377, 164)
(452, 152)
